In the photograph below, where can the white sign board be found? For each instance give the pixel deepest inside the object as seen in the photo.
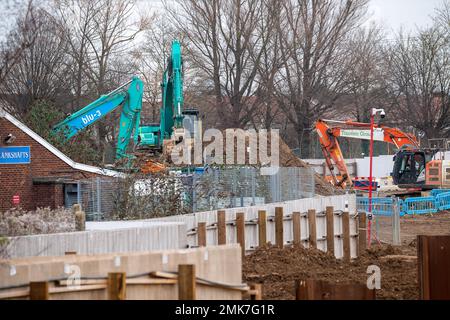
(378, 134)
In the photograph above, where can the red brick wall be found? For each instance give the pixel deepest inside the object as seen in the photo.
(48, 195)
(17, 179)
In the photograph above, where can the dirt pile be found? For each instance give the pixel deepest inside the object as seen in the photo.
(286, 159)
(277, 269)
(289, 159)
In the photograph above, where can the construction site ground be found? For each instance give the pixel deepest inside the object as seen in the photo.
(277, 269)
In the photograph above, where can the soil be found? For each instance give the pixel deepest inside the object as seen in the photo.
(436, 224)
(277, 269)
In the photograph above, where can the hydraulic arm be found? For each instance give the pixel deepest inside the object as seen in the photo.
(129, 96)
(172, 94)
(170, 130)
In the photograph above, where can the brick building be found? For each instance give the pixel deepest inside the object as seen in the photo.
(33, 173)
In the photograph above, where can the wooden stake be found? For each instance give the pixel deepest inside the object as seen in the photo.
(312, 228)
(117, 286)
(262, 232)
(346, 235)
(296, 228)
(311, 289)
(80, 221)
(240, 230)
(362, 233)
(186, 282)
(330, 229)
(257, 291)
(221, 228)
(279, 239)
(39, 290)
(201, 234)
(301, 290)
(76, 208)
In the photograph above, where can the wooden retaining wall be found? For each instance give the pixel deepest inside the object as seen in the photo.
(199, 273)
(295, 219)
(128, 237)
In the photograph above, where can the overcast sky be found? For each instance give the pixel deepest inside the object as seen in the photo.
(394, 14)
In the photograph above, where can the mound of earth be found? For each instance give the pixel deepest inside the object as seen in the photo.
(289, 159)
(277, 269)
(286, 159)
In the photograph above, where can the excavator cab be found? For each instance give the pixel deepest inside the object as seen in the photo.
(409, 167)
(148, 136)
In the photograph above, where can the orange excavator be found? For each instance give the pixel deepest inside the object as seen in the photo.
(409, 162)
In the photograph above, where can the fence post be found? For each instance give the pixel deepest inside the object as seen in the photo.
(80, 218)
(117, 286)
(79, 192)
(312, 228)
(396, 241)
(186, 282)
(221, 228)
(330, 229)
(39, 290)
(201, 234)
(76, 207)
(362, 232)
(257, 291)
(279, 237)
(346, 235)
(296, 229)
(240, 230)
(262, 232)
(99, 199)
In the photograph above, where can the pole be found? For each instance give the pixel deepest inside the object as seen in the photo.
(372, 120)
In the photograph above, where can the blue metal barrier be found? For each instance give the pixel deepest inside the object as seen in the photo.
(380, 206)
(419, 205)
(436, 192)
(438, 201)
(443, 201)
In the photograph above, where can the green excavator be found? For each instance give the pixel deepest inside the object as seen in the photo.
(152, 138)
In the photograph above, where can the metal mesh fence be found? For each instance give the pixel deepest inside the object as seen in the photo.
(242, 187)
(386, 218)
(180, 193)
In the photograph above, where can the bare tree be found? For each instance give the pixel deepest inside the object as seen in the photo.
(77, 18)
(11, 50)
(151, 60)
(225, 41)
(367, 86)
(419, 81)
(102, 37)
(313, 76)
(39, 72)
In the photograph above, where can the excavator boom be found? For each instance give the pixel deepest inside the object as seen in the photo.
(357, 130)
(128, 96)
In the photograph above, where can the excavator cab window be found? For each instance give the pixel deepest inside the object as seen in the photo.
(408, 167)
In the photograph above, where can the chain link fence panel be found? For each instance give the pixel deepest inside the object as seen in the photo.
(142, 197)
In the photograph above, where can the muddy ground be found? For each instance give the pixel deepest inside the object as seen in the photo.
(277, 269)
(436, 224)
